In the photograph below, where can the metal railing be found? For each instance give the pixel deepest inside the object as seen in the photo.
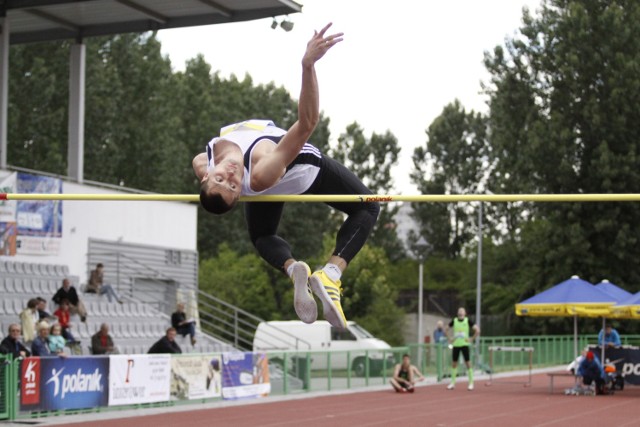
(294, 372)
(237, 327)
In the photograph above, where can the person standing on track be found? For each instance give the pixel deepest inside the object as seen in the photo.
(255, 157)
(462, 327)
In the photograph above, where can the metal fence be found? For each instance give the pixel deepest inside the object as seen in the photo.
(293, 372)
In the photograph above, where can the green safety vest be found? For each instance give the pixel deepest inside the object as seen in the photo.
(460, 332)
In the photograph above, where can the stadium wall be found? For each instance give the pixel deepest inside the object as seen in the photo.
(165, 224)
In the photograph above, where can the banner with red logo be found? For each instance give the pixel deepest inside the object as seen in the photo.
(30, 381)
(139, 378)
(56, 383)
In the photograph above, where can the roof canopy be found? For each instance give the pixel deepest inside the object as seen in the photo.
(45, 20)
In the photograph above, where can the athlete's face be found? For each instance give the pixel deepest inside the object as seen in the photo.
(462, 313)
(225, 179)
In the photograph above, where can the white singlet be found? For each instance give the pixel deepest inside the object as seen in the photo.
(299, 175)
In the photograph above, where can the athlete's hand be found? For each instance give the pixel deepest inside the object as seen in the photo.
(319, 45)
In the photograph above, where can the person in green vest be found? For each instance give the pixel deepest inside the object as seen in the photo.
(459, 333)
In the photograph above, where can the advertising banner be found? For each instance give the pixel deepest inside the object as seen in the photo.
(139, 378)
(8, 207)
(55, 383)
(39, 221)
(626, 359)
(30, 381)
(245, 375)
(195, 377)
(8, 234)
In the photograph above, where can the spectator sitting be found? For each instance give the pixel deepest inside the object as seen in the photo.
(12, 345)
(166, 344)
(64, 316)
(609, 337)
(96, 285)
(56, 340)
(183, 326)
(590, 369)
(439, 335)
(29, 319)
(69, 293)
(405, 375)
(102, 343)
(40, 346)
(43, 314)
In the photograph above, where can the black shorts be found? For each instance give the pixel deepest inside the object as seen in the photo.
(465, 353)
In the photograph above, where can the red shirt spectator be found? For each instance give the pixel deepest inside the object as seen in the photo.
(63, 314)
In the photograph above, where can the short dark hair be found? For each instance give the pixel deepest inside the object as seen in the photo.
(32, 303)
(405, 355)
(98, 265)
(214, 203)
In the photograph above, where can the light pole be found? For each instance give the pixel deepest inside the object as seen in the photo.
(479, 283)
(421, 249)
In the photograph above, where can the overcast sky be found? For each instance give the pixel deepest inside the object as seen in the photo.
(401, 62)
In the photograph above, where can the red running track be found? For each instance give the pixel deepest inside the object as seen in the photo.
(501, 404)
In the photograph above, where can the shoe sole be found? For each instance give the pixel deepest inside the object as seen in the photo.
(304, 304)
(331, 313)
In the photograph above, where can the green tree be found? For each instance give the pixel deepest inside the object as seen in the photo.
(137, 145)
(454, 161)
(564, 120)
(239, 280)
(371, 160)
(37, 111)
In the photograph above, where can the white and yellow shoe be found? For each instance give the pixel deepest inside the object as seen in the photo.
(329, 292)
(303, 302)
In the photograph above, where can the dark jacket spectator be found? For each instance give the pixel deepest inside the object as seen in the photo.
(12, 345)
(43, 314)
(166, 344)
(69, 293)
(182, 326)
(101, 341)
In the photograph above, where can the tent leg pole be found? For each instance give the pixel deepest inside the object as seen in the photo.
(575, 336)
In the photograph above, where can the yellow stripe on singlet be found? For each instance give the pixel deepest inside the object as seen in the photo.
(241, 126)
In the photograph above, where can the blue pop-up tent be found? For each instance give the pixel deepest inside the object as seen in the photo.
(614, 290)
(572, 298)
(628, 308)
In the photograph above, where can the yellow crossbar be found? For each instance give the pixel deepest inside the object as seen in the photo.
(434, 198)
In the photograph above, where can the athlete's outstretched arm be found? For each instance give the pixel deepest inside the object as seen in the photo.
(270, 168)
(200, 164)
